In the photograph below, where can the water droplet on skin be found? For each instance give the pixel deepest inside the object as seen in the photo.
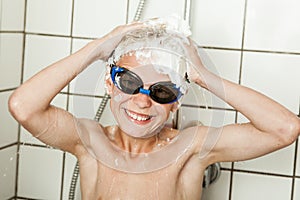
(118, 97)
(111, 135)
(116, 162)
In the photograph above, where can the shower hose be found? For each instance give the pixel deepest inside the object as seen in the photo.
(212, 172)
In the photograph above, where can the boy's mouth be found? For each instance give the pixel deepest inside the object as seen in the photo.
(137, 117)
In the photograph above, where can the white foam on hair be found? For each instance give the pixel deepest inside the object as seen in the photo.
(162, 43)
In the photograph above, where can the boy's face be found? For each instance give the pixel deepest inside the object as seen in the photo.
(138, 115)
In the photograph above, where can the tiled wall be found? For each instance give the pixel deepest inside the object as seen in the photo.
(252, 42)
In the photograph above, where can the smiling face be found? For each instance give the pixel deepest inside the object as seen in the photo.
(138, 115)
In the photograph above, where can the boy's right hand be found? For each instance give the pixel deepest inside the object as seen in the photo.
(105, 45)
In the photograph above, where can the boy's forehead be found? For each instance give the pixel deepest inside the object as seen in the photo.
(148, 73)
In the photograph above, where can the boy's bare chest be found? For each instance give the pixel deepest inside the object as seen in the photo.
(167, 183)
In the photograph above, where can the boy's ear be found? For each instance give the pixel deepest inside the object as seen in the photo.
(175, 107)
(108, 86)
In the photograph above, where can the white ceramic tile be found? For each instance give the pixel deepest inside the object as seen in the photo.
(70, 162)
(26, 138)
(260, 187)
(218, 190)
(107, 117)
(91, 80)
(11, 46)
(218, 23)
(40, 171)
(83, 107)
(94, 18)
(297, 189)
(9, 126)
(41, 51)
(223, 63)
(79, 43)
(86, 107)
(8, 172)
(270, 163)
(208, 117)
(166, 8)
(273, 25)
(226, 165)
(49, 16)
(12, 15)
(275, 75)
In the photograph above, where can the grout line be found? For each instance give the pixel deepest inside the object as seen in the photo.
(243, 41)
(7, 90)
(263, 173)
(187, 11)
(239, 81)
(231, 181)
(21, 81)
(250, 50)
(127, 12)
(204, 47)
(67, 102)
(294, 169)
(58, 35)
(63, 175)
(72, 18)
(8, 146)
(11, 31)
(26, 198)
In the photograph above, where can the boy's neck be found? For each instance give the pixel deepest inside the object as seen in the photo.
(141, 145)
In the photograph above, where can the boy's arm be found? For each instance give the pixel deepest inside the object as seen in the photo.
(271, 125)
(30, 103)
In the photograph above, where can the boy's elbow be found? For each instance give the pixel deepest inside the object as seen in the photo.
(291, 131)
(16, 108)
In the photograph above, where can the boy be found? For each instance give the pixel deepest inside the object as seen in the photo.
(143, 93)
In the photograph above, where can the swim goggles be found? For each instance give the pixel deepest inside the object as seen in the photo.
(130, 83)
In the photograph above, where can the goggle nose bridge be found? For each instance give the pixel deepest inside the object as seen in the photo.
(144, 91)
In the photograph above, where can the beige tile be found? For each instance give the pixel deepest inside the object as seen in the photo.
(49, 16)
(97, 17)
(218, 190)
(167, 8)
(218, 23)
(9, 126)
(273, 25)
(11, 49)
(260, 187)
(41, 51)
(40, 172)
(12, 15)
(275, 75)
(8, 172)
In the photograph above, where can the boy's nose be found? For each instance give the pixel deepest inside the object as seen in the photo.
(142, 100)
